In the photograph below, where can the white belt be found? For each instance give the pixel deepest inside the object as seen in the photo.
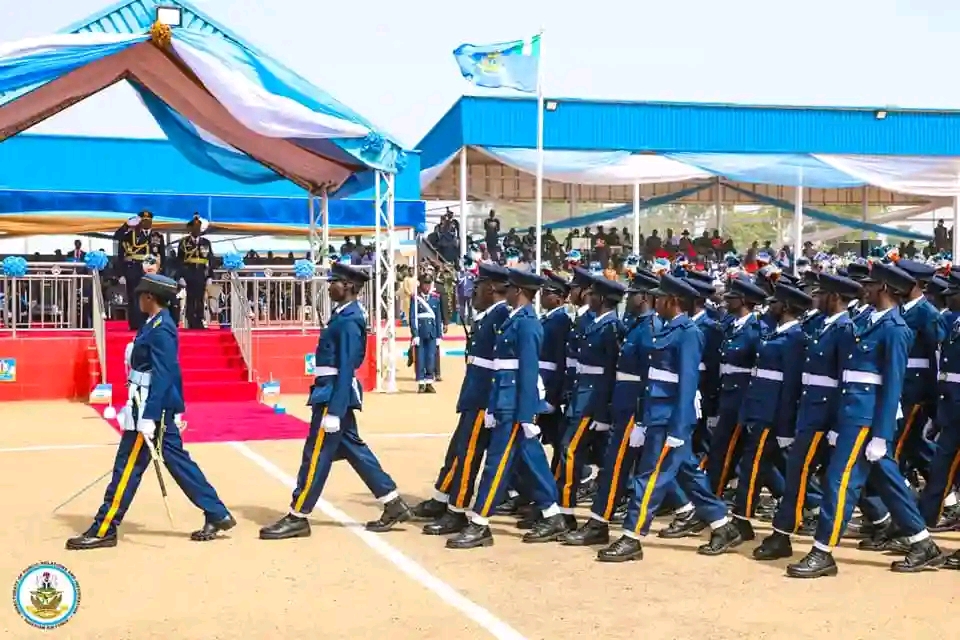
(572, 363)
(862, 377)
(702, 367)
(548, 366)
(918, 363)
(320, 372)
(139, 378)
(662, 376)
(812, 380)
(768, 374)
(483, 363)
(726, 369)
(589, 370)
(506, 364)
(628, 377)
(949, 377)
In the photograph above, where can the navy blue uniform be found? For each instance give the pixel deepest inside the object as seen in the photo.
(156, 393)
(709, 379)
(336, 392)
(427, 319)
(553, 370)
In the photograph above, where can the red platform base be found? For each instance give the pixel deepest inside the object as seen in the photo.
(281, 356)
(47, 366)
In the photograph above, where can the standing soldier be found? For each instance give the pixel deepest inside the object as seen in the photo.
(135, 241)
(156, 396)
(335, 397)
(195, 257)
(870, 390)
(428, 322)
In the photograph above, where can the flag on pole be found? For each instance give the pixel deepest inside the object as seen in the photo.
(505, 65)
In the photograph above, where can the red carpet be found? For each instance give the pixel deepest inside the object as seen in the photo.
(234, 421)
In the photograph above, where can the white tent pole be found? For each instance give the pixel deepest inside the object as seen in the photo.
(312, 228)
(325, 225)
(798, 224)
(636, 218)
(463, 201)
(718, 204)
(539, 249)
(955, 246)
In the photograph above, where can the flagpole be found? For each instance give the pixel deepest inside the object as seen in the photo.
(539, 251)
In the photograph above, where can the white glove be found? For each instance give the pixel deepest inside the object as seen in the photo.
(712, 423)
(330, 424)
(416, 342)
(530, 430)
(876, 449)
(599, 426)
(928, 431)
(182, 282)
(674, 443)
(784, 442)
(122, 280)
(209, 281)
(127, 353)
(697, 401)
(489, 421)
(832, 438)
(899, 412)
(550, 408)
(638, 436)
(147, 428)
(125, 418)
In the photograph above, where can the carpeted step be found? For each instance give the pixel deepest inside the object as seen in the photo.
(210, 374)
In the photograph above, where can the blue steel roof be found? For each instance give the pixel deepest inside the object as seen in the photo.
(594, 125)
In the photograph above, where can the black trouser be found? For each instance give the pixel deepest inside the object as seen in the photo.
(196, 279)
(132, 273)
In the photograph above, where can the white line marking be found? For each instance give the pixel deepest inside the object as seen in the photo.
(55, 447)
(492, 624)
(406, 435)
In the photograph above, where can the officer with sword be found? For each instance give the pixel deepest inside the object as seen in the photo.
(150, 432)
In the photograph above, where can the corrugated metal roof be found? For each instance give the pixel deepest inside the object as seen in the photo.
(707, 128)
(137, 16)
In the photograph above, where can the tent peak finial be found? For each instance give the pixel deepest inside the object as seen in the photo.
(161, 34)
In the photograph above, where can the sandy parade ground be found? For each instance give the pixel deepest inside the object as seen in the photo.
(346, 583)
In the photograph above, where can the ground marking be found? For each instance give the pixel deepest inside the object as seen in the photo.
(492, 624)
(55, 447)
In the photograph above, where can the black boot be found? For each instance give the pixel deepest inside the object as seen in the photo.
(421, 388)
(861, 528)
(722, 539)
(886, 539)
(921, 556)
(683, 525)
(809, 525)
(89, 541)
(587, 490)
(428, 388)
(620, 513)
(816, 564)
(949, 521)
(623, 549)
(450, 522)
(429, 510)
(774, 547)
(592, 532)
(289, 526)
(745, 528)
(529, 518)
(472, 536)
(953, 562)
(508, 507)
(394, 512)
(547, 529)
(767, 508)
(212, 527)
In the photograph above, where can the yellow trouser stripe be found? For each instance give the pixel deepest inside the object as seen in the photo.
(448, 479)
(465, 480)
(950, 476)
(569, 462)
(844, 481)
(121, 486)
(614, 479)
(728, 459)
(804, 475)
(312, 469)
(755, 471)
(648, 491)
(498, 476)
(906, 431)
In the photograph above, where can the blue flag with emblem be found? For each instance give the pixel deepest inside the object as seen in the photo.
(505, 65)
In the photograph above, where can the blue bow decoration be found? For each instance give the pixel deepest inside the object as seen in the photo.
(303, 269)
(14, 267)
(96, 260)
(373, 143)
(233, 261)
(401, 161)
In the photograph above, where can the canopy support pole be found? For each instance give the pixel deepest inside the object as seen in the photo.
(463, 202)
(798, 224)
(385, 284)
(324, 227)
(955, 245)
(718, 204)
(636, 218)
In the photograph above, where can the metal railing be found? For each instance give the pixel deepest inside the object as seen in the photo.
(99, 317)
(241, 316)
(51, 296)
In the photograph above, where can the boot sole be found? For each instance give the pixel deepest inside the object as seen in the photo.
(825, 573)
(719, 552)
(929, 565)
(619, 559)
(286, 536)
(582, 543)
(551, 538)
(486, 542)
(676, 535)
(100, 545)
(400, 519)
